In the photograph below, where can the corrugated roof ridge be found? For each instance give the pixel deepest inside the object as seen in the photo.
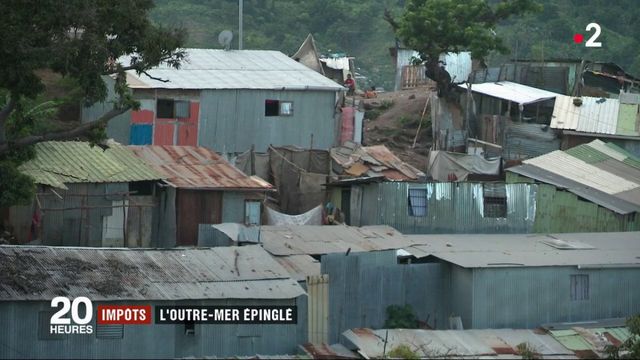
(631, 159)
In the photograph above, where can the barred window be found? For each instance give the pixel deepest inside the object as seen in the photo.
(579, 287)
(494, 200)
(417, 202)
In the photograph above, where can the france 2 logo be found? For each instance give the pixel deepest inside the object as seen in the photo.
(79, 321)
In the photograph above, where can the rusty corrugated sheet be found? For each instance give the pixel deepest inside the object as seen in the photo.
(487, 343)
(325, 351)
(197, 168)
(373, 161)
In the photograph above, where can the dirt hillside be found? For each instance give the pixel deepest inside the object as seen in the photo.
(392, 119)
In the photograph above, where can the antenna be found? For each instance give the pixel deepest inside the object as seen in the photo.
(224, 38)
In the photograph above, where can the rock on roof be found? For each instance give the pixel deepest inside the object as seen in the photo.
(42, 272)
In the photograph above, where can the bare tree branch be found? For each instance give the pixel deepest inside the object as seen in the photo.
(67, 134)
(153, 77)
(388, 17)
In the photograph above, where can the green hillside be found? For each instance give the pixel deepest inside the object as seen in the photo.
(357, 28)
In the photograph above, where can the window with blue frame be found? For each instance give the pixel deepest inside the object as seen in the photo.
(417, 202)
(252, 212)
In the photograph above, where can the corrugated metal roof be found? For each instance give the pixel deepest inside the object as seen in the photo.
(485, 343)
(196, 167)
(325, 351)
(373, 161)
(595, 115)
(319, 240)
(299, 266)
(618, 203)
(59, 162)
(575, 169)
(41, 273)
(518, 93)
(233, 69)
(621, 249)
(593, 171)
(591, 340)
(458, 65)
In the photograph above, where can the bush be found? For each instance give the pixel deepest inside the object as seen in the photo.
(402, 352)
(401, 317)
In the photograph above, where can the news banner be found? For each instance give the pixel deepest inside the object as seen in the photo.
(75, 316)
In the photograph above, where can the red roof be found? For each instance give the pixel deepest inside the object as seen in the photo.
(197, 167)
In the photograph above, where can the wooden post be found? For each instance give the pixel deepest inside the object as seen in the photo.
(252, 157)
(310, 148)
(421, 117)
(124, 223)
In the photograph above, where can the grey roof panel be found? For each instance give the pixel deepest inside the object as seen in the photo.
(610, 201)
(621, 249)
(233, 69)
(41, 272)
(319, 240)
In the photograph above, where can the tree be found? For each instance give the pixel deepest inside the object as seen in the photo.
(80, 40)
(433, 27)
(630, 348)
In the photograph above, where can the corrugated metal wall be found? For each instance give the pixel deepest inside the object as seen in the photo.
(81, 224)
(523, 141)
(363, 285)
(318, 311)
(19, 321)
(528, 297)
(451, 208)
(164, 225)
(562, 211)
(233, 120)
(118, 128)
(458, 208)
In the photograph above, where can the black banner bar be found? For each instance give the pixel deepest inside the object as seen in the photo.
(226, 314)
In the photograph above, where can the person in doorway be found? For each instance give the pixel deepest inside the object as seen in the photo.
(350, 84)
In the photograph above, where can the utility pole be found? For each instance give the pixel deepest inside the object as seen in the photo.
(240, 5)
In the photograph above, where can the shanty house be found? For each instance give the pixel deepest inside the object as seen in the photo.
(202, 188)
(517, 206)
(229, 101)
(458, 65)
(86, 196)
(510, 120)
(475, 281)
(602, 183)
(30, 276)
(581, 119)
(355, 164)
(563, 76)
(523, 281)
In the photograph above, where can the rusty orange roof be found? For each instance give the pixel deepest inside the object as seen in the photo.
(197, 167)
(373, 161)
